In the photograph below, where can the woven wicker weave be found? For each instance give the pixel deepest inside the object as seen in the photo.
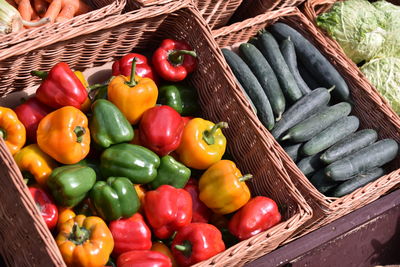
(220, 99)
(252, 8)
(370, 108)
(101, 9)
(216, 12)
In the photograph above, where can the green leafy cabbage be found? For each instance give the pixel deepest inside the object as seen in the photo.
(356, 26)
(384, 74)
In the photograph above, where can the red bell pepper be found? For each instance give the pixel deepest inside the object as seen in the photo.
(46, 206)
(61, 87)
(143, 258)
(130, 234)
(30, 114)
(196, 242)
(174, 60)
(259, 214)
(161, 129)
(143, 69)
(201, 213)
(167, 209)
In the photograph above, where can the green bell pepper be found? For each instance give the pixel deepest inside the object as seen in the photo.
(70, 184)
(137, 163)
(171, 172)
(114, 199)
(180, 97)
(108, 126)
(94, 164)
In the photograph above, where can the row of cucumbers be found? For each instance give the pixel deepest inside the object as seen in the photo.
(285, 78)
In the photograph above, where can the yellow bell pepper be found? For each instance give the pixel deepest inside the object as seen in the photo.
(34, 162)
(132, 95)
(64, 135)
(164, 249)
(86, 105)
(202, 144)
(223, 188)
(64, 214)
(85, 241)
(12, 130)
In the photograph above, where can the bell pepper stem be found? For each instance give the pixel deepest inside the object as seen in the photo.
(185, 248)
(208, 135)
(176, 57)
(245, 177)
(3, 134)
(41, 74)
(79, 131)
(132, 81)
(79, 235)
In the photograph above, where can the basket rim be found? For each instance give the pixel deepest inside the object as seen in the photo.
(330, 205)
(26, 35)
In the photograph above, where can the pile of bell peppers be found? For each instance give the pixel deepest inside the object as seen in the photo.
(126, 173)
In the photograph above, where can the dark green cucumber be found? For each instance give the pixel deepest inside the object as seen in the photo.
(331, 135)
(321, 182)
(372, 156)
(307, 76)
(301, 110)
(270, 49)
(293, 151)
(357, 181)
(253, 88)
(349, 145)
(265, 76)
(310, 164)
(315, 124)
(289, 54)
(317, 64)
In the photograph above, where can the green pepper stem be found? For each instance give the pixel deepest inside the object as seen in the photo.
(132, 81)
(185, 248)
(27, 175)
(245, 177)
(79, 131)
(180, 247)
(3, 134)
(79, 235)
(208, 135)
(41, 74)
(177, 56)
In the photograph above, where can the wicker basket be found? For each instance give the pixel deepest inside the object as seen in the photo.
(220, 99)
(370, 108)
(216, 12)
(101, 9)
(252, 8)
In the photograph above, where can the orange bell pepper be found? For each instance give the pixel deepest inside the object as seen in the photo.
(164, 249)
(64, 214)
(202, 144)
(34, 162)
(133, 95)
(64, 135)
(85, 241)
(223, 188)
(141, 191)
(12, 130)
